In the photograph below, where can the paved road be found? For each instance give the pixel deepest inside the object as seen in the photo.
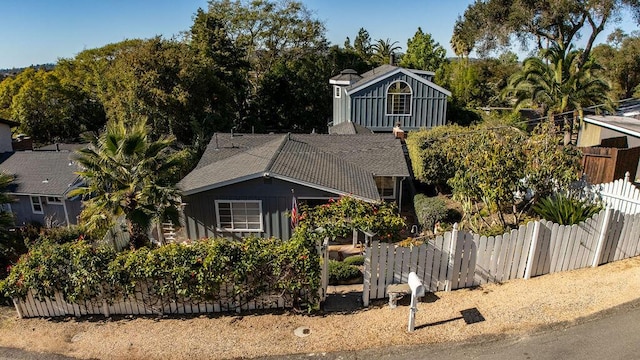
(611, 335)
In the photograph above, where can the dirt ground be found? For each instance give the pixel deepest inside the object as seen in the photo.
(512, 308)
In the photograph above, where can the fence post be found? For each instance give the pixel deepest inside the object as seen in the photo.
(532, 249)
(602, 237)
(452, 249)
(367, 275)
(16, 303)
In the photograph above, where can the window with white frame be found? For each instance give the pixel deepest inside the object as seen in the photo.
(386, 186)
(337, 91)
(36, 205)
(399, 98)
(239, 215)
(54, 200)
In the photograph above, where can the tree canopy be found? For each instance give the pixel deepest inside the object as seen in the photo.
(423, 53)
(490, 24)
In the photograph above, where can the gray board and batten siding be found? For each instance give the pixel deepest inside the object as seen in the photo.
(428, 106)
(275, 196)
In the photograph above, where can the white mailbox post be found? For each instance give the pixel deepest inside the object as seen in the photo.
(417, 290)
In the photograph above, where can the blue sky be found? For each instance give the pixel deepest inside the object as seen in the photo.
(41, 31)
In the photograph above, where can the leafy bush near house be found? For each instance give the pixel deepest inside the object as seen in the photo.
(339, 271)
(340, 216)
(565, 210)
(34, 235)
(429, 210)
(356, 260)
(247, 269)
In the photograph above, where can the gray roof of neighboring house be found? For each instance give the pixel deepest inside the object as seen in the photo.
(349, 128)
(340, 163)
(624, 124)
(625, 118)
(40, 172)
(62, 147)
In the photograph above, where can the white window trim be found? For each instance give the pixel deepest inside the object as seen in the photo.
(337, 92)
(33, 208)
(259, 202)
(390, 197)
(54, 202)
(386, 100)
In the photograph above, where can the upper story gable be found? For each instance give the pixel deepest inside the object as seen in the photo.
(389, 95)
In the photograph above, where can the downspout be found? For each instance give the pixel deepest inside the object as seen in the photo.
(400, 196)
(66, 213)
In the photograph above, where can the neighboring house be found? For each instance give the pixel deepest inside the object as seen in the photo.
(620, 133)
(5, 135)
(42, 180)
(387, 95)
(244, 183)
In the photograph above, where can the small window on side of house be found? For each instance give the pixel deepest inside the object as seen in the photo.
(54, 200)
(386, 187)
(337, 92)
(239, 215)
(36, 205)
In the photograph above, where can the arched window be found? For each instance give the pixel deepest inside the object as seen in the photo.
(399, 99)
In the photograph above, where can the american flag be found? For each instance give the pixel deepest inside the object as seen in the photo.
(294, 212)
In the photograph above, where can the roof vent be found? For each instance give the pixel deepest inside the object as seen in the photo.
(45, 181)
(348, 72)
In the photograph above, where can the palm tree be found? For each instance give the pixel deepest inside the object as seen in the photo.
(128, 175)
(558, 85)
(382, 51)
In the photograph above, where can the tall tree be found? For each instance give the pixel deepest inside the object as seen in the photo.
(362, 44)
(49, 109)
(560, 86)
(127, 174)
(383, 50)
(546, 23)
(423, 53)
(621, 64)
(269, 30)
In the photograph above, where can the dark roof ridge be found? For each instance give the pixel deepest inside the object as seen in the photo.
(275, 155)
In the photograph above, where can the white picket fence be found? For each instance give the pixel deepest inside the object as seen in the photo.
(458, 259)
(143, 303)
(620, 195)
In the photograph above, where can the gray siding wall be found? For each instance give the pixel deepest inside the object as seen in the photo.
(428, 107)
(24, 215)
(341, 107)
(200, 211)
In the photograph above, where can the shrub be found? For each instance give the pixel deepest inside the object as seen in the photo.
(565, 210)
(339, 272)
(429, 211)
(34, 235)
(249, 268)
(356, 260)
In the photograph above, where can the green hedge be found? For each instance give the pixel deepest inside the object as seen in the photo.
(340, 271)
(250, 268)
(429, 210)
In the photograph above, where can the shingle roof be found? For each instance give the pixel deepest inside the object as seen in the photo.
(231, 162)
(380, 154)
(303, 162)
(341, 163)
(40, 172)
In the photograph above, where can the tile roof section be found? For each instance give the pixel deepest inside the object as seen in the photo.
(341, 163)
(40, 172)
(308, 164)
(380, 154)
